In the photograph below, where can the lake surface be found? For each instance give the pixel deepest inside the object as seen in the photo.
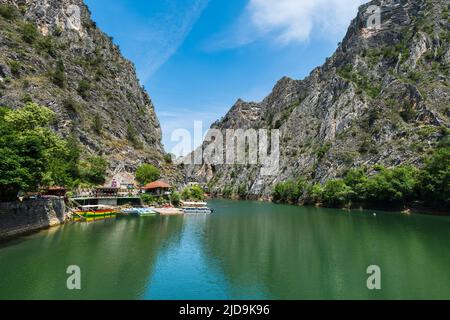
(245, 250)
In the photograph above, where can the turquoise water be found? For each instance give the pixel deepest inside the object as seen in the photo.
(245, 250)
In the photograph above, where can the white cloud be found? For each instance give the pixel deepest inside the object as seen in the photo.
(158, 39)
(289, 21)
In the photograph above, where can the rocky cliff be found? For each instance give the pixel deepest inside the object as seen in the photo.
(382, 98)
(52, 53)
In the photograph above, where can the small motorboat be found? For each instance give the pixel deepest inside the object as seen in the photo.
(196, 208)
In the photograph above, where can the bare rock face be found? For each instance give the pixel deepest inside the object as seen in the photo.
(382, 98)
(75, 69)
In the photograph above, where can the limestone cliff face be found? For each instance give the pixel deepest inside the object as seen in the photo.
(76, 70)
(382, 98)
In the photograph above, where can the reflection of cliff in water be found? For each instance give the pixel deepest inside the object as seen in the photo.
(300, 253)
(116, 258)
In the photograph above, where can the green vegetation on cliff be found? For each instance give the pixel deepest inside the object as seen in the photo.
(33, 156)
(147, 173)
(195, 193)
(379, 187)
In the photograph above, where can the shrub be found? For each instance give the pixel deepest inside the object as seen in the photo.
(15, 67)
(227, 192)
(408, 113)
(58, 31)
(59, 75)
(26, 98)
(147, 173)
(168, 158)
(195, 193)
(46, 44)
(288, 192)
(361, 80)
(29, 32)
(84, 86)
(8, 12)
(186, 194)
(392, 186)
(336, 193)
(357, 180)
(97, 123)
(132, 136)
(323, 150)
(175, 198)
(148, 199)
(315, 194)
(242, 191)
(71, 105)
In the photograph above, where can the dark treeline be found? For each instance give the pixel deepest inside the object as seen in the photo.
(378, 187)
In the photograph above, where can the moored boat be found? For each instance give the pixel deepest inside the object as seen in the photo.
(94, 212)
(196, 208)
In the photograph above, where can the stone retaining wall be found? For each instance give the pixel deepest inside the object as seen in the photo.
(17, 217)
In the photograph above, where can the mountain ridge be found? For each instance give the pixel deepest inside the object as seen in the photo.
(381, 99)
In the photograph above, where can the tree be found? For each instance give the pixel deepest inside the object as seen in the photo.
(336, 193)
(29, 150)
(175, 198)
(392, 186)
(197, 193)
(33, 156)
(315, 193)
(434, 185)
(289, 191)
(193, 193)
(186, 194)
(13, 177)
(357, 180)
(147, 173)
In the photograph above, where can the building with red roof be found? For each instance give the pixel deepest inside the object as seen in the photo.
(157, 188)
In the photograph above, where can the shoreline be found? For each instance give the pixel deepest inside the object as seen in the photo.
(405, 210)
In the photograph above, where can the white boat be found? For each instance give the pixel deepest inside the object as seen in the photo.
(196, 208)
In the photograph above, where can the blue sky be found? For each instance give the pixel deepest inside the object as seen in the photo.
(197, 57)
